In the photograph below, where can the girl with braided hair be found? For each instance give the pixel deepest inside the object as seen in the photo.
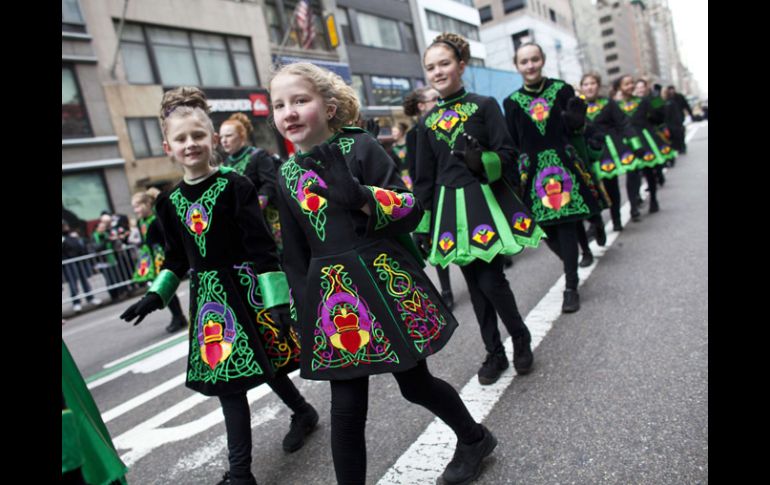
(240, 332)
(473, 216)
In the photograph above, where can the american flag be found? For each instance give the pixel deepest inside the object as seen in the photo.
(304, 17)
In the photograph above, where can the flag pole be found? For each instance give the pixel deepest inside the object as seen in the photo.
(292, 25)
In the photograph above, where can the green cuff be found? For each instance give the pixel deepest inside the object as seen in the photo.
(424, 226)
(635, 143)
(165, 285)
(492, 165)
(275, 288)
(71, 455)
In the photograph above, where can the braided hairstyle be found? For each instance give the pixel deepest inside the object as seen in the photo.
(455, 43)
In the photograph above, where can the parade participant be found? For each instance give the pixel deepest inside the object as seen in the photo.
(542, 116)
(255, 163)
(151, 253)
(637, 109)
(241, 333)
(365, 305)
(606, 130)
(473, 216)
(417, 104)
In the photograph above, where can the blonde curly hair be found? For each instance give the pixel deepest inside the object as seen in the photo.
(332, 89)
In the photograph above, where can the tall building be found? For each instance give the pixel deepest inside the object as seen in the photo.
(119, 57)
(665, 42)
(382, 49)
(619, 38)
(505, 24)
(93, 166)
(589, 50)
(458, 16)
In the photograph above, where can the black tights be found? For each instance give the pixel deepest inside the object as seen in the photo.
(175, 307)
(562, 240)
(235, 408)
(350, 402)
(582, 237)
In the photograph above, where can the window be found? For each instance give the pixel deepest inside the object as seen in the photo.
(485, 13)
(343, 22)
(513, 5)
(465, 2)
(389, 91)
(552, 14)
(613, 70)
(136, 59)
(240, 48)
(173, 57)
(74, 118)
(411, 45)
(442, 23)
(85, 194)
(611, 57)
(146, 139)
(607, 32)
(378, 32)
(609, 45)
(475, 61)
(71, 18)
(605, 19)
(521, 38)
(358, 86)
(274, 25)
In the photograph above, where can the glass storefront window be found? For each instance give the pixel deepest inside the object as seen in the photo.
(389, 91)
(84, 194)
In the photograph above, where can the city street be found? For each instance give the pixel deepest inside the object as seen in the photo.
(618, 395)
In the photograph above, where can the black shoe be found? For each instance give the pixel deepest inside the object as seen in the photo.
(493, 366)
(449, 300)
(601, 235)
(466, 462)
(641, 201)
(617, 226)
(177, 323)
(522, 354)
(636, 217)
(586, 260)
(654, 207)
(228, 479)
(507, 262)
(302, 424)
(571, 302)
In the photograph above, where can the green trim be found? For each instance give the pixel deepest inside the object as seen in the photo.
(165, 285)
(635, 143)
(275, 288)
(448, 101)
(659, 158)
(463, 238)
(424, 226)
(435, 257)
(492, 165)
